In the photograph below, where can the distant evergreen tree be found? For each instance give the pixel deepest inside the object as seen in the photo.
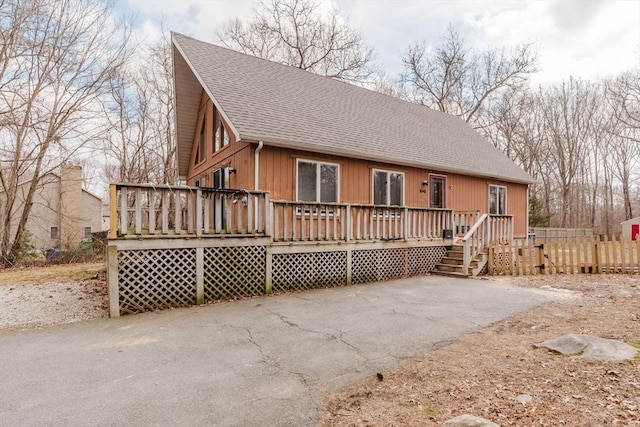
(537, 218)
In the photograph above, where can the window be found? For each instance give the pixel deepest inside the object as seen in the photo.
(388, 188)
(216, 132)
(497, 200)
(437, 191)
(87, 232)
(317, 182)
(220, 134)
(200, 182)
(54, 232)
(202, 144)
(220, 178)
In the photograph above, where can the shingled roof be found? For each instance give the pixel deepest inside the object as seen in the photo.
(288, 107)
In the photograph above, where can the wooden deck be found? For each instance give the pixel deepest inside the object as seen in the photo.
(176, 246)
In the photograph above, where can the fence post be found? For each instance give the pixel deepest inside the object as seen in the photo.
(596, 258)
(540, 261)
(199, 275)
(349, 267)
(112, 280)
(491, 259)
(268, 273)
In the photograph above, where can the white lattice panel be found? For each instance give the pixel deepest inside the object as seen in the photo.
(378, 264)
(234, 272)
(424, 260)
(309, 270)
(155, 279)
(502, 262)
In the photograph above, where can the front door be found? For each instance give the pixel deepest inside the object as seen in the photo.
(635, 229)
(437, 188)
(220, 182)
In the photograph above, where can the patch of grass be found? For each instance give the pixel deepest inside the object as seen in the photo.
(50, 273)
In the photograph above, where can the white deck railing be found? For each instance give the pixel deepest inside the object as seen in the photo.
(139, 210)
(306, 221)
(487, 228)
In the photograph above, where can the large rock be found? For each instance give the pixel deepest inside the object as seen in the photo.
(467, 420)
(591, 347)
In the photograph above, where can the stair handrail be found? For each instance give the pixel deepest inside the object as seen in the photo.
(473, 243)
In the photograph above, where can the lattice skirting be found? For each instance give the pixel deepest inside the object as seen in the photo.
(309, 270)
(150, 279)
(234, 272)
(155, 279)
(424, 260)
(386, 264)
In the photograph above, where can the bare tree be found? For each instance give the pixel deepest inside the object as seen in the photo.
(141, 144)
(623, 96)
(464, 82)
(294, 32)
(57, 60)
(571, 117)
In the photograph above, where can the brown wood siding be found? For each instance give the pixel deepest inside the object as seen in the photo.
(278, 175)
(237, 154)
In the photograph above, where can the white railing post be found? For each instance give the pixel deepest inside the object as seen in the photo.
(199, 212)
(138, 211)
(466, 257)
(152, 211)
(349, 223)
(124, 220)
(404, 224)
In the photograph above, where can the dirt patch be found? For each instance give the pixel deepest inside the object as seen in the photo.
(52, 273)
(43, 296)
(496, 373)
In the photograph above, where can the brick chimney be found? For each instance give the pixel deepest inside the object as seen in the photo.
(71, 231)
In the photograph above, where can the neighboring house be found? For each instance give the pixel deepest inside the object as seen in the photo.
(62, 212)
(319, 139)
(298, 181)
(631, 229)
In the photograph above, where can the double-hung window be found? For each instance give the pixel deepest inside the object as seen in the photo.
(497, 200)
(388, 188)
(317, 181)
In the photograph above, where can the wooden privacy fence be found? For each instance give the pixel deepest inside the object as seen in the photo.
(571, 256)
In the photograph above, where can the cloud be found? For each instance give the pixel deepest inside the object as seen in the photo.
(574, 15)
(588, 38)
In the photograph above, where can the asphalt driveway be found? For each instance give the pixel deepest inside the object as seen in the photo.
(259, 362)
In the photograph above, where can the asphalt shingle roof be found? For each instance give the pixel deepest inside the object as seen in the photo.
(293, 108)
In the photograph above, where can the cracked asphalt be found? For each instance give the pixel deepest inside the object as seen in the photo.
(266, 361)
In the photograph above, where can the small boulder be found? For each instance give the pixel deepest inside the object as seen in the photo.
(524, 398)
(590, 347)
(468, 420)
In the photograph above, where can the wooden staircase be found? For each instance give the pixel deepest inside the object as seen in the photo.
(451, 265)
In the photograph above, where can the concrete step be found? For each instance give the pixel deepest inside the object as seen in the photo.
(457, 261)
(451, 274)
(448, 267)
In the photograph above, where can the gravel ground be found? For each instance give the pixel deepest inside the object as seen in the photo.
(27, 306)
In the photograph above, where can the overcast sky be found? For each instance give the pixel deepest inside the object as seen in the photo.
(586, 38)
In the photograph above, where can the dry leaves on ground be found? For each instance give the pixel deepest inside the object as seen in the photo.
(484, 373)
